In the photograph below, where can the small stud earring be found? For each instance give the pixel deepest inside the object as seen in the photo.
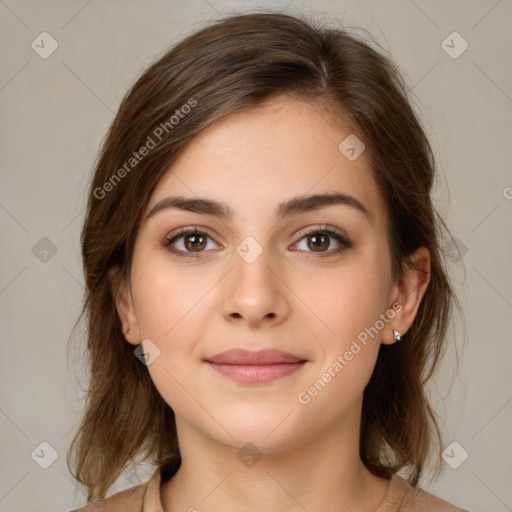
(129, 331)
(397, 335)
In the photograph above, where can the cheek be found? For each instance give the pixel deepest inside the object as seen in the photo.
(346, 302)
(349, 351)
(166, 299)
(351, 306)
(169, 311)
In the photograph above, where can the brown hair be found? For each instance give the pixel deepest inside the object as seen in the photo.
(232, 65)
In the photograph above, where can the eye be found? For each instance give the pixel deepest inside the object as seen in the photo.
(192, 240)
(318, 239)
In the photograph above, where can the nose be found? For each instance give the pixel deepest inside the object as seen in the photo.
(255, 294)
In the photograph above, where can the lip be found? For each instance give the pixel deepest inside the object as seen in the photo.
(259, 357)
(255, 367)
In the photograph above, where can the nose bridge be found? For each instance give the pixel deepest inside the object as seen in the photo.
(253, 257)
(252, 269)
(254, 291)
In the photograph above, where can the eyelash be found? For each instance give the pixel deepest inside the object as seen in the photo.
(344, 242)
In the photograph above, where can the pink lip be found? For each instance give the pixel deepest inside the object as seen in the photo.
(255, 367)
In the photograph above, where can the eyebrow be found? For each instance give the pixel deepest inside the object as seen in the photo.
(294, 206)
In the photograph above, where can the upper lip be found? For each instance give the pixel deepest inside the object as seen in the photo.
(259, 357)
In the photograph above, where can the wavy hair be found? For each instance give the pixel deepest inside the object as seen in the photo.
(231, 65)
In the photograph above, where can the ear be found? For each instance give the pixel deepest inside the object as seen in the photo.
(406, 295)
(124, 304)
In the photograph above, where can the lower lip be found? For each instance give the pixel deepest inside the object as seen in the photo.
(257, 374)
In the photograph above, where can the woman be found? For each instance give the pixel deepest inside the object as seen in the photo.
(266, 296)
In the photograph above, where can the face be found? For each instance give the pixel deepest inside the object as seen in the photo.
(306, 278)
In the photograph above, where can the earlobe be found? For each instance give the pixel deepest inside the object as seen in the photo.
(409, 293)
(124, 305)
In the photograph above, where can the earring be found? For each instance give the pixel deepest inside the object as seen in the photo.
(397, 335)
(129, 331)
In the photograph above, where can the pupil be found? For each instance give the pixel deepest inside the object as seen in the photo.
(196, 244)
(316, 239)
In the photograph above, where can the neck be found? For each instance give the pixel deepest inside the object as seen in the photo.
(323, 473)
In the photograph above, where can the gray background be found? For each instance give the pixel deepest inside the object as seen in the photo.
(55, 112)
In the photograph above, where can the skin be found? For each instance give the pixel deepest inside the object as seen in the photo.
(289, 298)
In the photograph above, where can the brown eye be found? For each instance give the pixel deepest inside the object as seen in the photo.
(188, 242)
(195, 242)
(319, 240)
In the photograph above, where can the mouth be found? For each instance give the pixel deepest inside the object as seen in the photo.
(250, 367)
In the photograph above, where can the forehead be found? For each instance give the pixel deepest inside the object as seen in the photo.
(256, 159)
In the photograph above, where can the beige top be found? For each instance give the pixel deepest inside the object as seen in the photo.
(401, 497)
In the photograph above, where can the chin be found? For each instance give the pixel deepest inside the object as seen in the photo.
(270, 430)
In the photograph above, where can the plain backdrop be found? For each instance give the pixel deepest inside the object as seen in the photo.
(55, 110)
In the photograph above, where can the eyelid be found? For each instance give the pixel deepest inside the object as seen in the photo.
(320, 228)
(332, 232)
(186, 230)
(190, 229)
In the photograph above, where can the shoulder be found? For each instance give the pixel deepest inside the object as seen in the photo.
(129, 500)
(145, 496)
(415, 499)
